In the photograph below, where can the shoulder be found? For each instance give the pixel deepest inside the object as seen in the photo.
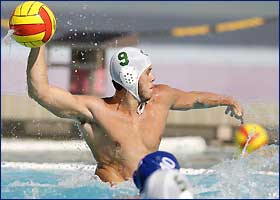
(163, 93)
(163, 89)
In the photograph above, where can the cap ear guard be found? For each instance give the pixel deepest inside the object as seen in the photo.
(128, 76)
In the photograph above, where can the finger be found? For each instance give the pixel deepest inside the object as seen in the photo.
(236, 111)
(239, 117)
(227, 110)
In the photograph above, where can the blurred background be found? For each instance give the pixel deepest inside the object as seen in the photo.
(229, 48)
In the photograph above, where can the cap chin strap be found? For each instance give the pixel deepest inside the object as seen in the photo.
(140, 108)
(129, 80)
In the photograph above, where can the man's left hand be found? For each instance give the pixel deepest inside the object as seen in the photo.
(235, 110)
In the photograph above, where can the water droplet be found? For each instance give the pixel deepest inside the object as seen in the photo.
(75, 34)
(73, 61)
(76, 70)
(69, 22)
(95, 44)
(84, 33)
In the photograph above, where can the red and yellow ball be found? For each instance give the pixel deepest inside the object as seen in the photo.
(33, 24)
(258, 136)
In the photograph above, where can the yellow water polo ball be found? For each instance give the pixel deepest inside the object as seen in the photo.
(256, 135)
(33, 24)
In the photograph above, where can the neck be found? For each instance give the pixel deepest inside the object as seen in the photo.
(127, 102)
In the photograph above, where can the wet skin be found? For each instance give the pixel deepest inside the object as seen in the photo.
(117, 136)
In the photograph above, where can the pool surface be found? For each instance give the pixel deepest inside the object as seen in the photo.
(255, 176)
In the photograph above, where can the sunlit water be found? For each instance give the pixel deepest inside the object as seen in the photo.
(254, 176)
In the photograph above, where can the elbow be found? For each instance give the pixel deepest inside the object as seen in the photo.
(31, 93)
(38, 94)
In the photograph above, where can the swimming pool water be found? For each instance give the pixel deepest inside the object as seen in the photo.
(255, 176)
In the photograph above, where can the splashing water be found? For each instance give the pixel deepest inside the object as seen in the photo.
(243, 153)
(250, 135)
(255, 176)
(8, 38)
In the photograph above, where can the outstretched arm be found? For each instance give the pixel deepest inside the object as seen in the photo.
(56, 100)
(198, 100)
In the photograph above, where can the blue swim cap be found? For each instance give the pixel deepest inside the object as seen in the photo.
(151, 163)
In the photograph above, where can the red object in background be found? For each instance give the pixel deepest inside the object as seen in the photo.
(79, 81)
(99, 81)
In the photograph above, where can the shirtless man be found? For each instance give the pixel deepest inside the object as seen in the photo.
(132, 121)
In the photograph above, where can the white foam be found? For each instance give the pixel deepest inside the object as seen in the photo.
(9, 145)
(191, 171)
(91, 168)
(189, 144)
(48, 166)
(171, 144)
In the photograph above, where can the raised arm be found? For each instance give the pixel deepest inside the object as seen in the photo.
(58, 101)
(180, 100)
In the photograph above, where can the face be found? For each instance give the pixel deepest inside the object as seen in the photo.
(145, 84)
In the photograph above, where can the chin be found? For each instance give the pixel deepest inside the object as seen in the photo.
(146, 98)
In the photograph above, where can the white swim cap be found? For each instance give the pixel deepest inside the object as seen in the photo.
(167, 184)
(126, 67)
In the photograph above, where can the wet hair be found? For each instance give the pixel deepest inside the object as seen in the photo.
(117, 86)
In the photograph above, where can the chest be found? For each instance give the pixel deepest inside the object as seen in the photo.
(146, 128)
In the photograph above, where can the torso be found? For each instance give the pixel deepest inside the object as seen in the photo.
(119, 140)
